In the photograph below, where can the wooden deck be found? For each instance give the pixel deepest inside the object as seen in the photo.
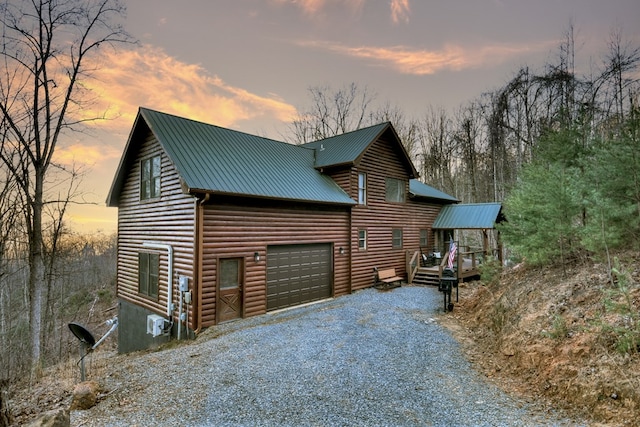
(468, 265)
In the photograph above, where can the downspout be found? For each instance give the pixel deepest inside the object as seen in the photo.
(350, 240)
(169, 250)
(199, 258)
(350, 232)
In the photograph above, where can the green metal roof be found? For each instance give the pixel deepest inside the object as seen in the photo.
(469, 216)
(213, 159)
(345, 148)
(420, 189)
(348, 148)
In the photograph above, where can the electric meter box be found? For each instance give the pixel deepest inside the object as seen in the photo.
(183, 283)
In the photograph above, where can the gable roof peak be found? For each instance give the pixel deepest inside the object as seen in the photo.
(349, 147)
(212, 159)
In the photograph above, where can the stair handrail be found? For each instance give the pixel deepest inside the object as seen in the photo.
(443, 264)
(412, 265)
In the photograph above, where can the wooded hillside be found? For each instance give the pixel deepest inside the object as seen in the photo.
(557, 143)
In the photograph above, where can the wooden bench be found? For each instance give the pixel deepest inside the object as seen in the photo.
(387, 278)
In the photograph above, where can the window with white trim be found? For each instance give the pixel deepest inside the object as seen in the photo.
(362, 188)
(362, 239)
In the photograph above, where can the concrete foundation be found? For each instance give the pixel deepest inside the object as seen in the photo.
(132, 329)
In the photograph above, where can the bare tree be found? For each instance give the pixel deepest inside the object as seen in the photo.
(468, 145)
(436, 149)
(47, 46)
(621, 62)
(332, 112)
(8, 213)
(407, 128)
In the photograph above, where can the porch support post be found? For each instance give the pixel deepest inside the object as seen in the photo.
(485, 242)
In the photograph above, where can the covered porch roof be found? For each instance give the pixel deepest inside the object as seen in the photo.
(469, 216)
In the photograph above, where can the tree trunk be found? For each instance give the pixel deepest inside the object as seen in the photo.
(36, 275)
(5, 414)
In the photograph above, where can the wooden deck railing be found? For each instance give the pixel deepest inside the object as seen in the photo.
(465, 268)
(467, 264)
(413, 263)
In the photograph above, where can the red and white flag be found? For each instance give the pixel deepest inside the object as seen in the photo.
(452, 253)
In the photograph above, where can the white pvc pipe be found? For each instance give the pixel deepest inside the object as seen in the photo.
(179, 314)
(169, 250)
(114, 324)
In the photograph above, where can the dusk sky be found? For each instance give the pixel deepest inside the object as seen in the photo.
(248, 64)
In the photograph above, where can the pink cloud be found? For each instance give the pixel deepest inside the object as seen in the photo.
(147, 76)
(85, 154)
(422, 62)
(315, 7)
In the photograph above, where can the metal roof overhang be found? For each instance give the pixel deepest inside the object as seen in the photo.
(203, 192)
(469, 216)
(421, 190)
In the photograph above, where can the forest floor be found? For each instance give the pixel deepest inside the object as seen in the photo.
(567, 336)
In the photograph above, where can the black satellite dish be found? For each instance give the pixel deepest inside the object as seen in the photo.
(87, 341)
(82, 334)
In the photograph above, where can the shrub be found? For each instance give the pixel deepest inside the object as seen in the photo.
(490, 272)
(618, 300)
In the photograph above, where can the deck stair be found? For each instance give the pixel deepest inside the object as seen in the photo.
(427, 276)
(467, 264)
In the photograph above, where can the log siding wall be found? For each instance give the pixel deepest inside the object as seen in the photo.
(241, 228)
(237, 228)
(378, 217)
(170, 219)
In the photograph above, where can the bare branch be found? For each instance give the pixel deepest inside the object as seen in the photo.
(44, 48)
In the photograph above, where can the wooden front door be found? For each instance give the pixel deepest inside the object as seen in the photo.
(229, 305)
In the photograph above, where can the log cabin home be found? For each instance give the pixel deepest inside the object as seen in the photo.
(215, 224)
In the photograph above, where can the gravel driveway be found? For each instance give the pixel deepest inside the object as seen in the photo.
(368, 359)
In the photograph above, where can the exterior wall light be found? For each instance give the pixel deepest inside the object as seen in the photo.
(256, 257)
(341, 250)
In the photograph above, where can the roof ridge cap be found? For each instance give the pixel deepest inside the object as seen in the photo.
(217, 126)
(348, 132)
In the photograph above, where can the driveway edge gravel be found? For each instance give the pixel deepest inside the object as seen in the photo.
(368, 359)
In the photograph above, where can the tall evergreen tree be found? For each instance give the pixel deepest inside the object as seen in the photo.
(541, 212)
(612, 181)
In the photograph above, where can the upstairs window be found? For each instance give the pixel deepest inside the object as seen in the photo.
(148, 274)
(150, 178)
(362, 188)
(394, 190)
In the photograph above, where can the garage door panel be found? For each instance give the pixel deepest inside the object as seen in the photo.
(297, 274)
